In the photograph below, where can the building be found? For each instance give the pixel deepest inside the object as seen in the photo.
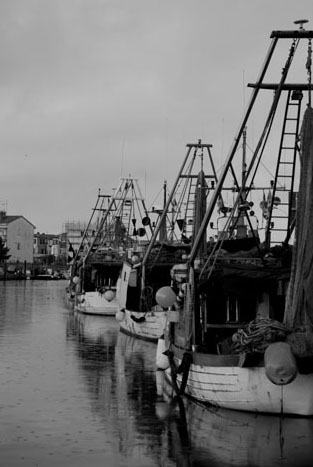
(73, 233)
(56, 251)
(48, 256)
(17, 234)
(46, 245)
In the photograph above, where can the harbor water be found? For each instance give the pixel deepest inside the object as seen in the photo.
(75, 391)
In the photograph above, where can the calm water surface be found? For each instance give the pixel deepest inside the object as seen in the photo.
(74, 391)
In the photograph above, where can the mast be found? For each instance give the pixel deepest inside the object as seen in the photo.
(87, 227)
(295, 36)
(185, 175)
(127, 197)
(163, 216)
(163, 231)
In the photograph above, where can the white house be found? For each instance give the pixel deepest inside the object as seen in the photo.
(18, 235)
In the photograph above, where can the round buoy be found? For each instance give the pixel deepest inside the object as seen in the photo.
(280, 363)
(109, 295)
(146, 221)
(165, 297)
(141, 232)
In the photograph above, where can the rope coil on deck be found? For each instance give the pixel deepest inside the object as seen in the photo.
(258, 334)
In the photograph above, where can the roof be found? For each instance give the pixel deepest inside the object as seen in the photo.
(9, 219)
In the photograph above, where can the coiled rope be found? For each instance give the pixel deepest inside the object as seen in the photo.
(258, 334)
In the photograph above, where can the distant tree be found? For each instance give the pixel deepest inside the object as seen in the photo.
(3, 251)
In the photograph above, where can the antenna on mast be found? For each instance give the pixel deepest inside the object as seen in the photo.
(301, 22)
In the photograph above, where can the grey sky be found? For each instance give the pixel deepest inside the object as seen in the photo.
(95, 89)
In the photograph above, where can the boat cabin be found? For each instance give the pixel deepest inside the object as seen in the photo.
(136, 297)
(101, 272)
(239, 289)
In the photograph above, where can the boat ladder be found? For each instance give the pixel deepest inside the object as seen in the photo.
(283, 195)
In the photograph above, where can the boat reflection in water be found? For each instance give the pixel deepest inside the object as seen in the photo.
(199, 435)
(94, 328)
(145, 426)
(119, 374)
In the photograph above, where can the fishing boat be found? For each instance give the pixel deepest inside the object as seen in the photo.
(243, 339)
(73, 287)
(141, 313)
(122, 231)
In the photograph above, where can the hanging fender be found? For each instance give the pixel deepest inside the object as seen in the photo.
(280, 363)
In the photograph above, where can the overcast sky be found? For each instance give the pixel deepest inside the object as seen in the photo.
(92, 90)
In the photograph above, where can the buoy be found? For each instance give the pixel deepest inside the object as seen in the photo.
(120, 315)
(109, 295)
(146, 221)
(162, 361)
(280, 363)
(165, 297)
(141, 232)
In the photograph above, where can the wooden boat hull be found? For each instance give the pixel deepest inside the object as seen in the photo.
(149, 326)
(94, 303)
(245, 388)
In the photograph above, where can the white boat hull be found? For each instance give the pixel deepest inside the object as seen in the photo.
(248, 389)
(94, 303)
(150, 328)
